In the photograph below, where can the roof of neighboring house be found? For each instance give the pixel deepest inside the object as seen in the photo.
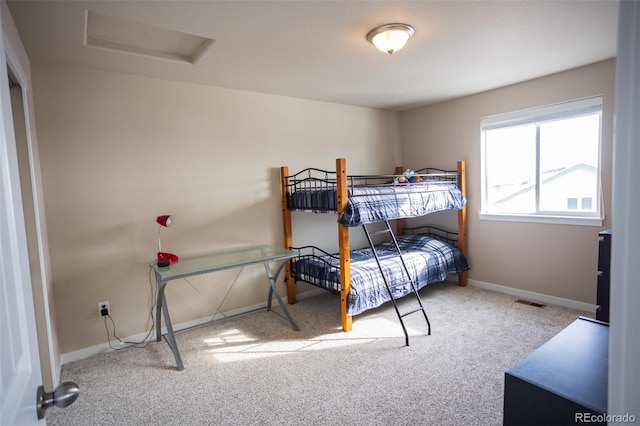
(557, 175)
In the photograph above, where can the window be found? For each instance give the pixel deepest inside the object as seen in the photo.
(543, 164)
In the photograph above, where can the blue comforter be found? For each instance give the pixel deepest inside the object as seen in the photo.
(374, 204)
(428, 260)
(371, 204)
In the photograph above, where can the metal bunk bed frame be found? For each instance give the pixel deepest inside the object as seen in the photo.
(342, 183)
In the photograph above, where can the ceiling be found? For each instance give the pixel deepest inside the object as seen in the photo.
(317, 49)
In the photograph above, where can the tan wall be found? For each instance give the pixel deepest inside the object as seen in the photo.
(556, 260)
(117, 151)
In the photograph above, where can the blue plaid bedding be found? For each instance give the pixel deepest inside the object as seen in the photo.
(428, 260)
(377, 203)
(373, 204)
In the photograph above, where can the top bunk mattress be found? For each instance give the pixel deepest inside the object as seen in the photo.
(369, 204)
(372, 204)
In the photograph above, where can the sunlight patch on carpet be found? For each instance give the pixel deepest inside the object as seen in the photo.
(234, 345)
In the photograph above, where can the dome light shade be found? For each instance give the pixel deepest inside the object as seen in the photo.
(390, 38)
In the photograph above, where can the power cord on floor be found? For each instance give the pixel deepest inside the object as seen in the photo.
(145, 341)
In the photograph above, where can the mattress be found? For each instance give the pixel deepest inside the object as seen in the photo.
(428, 260)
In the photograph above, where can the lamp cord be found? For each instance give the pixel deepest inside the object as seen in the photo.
(145, 341)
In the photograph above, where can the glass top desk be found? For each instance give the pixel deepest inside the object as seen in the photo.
(212, 262)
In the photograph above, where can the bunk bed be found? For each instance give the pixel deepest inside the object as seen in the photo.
(426, 254)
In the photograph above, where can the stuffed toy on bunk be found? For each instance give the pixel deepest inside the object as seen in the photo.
(409, 176)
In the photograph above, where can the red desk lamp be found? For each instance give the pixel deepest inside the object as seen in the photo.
(163, 257)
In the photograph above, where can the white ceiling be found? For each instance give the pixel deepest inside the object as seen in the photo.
(317, 49)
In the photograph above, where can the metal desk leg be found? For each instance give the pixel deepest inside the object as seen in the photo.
(274, 289)
(172, 339)
(162, 306)
(159, 304)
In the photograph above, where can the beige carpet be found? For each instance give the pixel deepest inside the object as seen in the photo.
(254, 369)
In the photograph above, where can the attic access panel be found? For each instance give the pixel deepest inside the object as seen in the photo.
(121, 35)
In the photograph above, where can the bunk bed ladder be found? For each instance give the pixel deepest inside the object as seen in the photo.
(420, 308)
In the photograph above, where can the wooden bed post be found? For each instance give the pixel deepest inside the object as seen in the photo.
(343, 242)
(462, 220)
(288, 235)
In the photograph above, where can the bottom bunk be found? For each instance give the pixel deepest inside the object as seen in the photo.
(429, 258)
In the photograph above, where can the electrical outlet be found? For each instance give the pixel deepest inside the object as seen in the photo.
(103, 309)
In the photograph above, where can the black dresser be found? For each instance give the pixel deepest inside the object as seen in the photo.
(564, 382)
(604, 276)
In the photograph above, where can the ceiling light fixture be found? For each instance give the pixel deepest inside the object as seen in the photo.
(390, 38)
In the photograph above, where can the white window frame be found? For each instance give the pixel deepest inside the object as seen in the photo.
(534, 115)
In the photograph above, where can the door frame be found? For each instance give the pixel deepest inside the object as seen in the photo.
(49, 366)
(21, 373)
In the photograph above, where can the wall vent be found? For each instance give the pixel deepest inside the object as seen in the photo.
(527, 302)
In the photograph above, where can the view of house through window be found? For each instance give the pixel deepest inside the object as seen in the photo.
(544, 161)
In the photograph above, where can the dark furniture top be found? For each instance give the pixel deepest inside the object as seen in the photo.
(573, 364)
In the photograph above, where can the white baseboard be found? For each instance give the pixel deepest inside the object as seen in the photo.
(115, 344)
(535, 297)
